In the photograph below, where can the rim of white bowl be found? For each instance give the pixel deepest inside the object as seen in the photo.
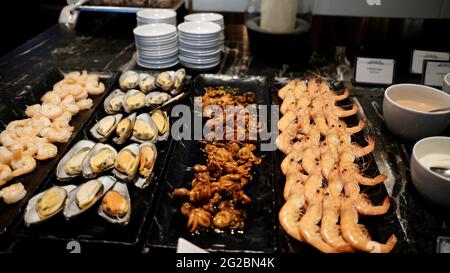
(420, 163)
(204, 16)
(155, 30)
(199, 28)
(386, 95)
(156, 13)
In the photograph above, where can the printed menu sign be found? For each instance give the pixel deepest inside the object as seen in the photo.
(419, 56)
(374, 71)
(434, 72)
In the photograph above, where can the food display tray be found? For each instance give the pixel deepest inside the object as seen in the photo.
(168, 224)
(379, 227)
(13, 108)
(90, 227)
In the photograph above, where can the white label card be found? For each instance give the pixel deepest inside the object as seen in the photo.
(420, 55)
(374, 71)
(435, 72)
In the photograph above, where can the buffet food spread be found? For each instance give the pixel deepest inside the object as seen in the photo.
(121, 154)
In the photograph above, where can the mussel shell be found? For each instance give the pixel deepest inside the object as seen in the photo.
(144, 181)
(147, 82)
(156, 99)
(129, 80)
(87, 170)
(120, 139)
(161, 121)
(60, 169)
(180, 74)
(147, 119)
(134, 149)
(31, 215)
(121, 188)
(103, 138)
(166, 80)
(71, 208)
(107, 102)
(130, 108)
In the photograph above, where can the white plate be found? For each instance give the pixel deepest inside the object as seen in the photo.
(140, 23)
(199, 28)
(209, 17)
(157, 61)
(199, 46)
(158, 48)
(155, 42)
(196, 66)
(156, 14)
(157, 54)
(155, 30)
(199, 52)
(156, 66)
(199, 60)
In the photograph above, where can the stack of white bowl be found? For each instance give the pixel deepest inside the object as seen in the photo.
(199, 44)
(157, 45)
(209, 17)
(156, 16)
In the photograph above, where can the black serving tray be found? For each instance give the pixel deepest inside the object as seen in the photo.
(90, 227)
(13, 108)
(169, 224)
(379, 227)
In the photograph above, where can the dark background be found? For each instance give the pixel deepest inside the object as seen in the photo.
(22, 20)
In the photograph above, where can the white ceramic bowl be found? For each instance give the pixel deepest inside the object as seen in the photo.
(432, 186)
(446, 86)
(156, 14)
(412, 124)
(199, 60)
(155, 30)
(199, 28)
(209, 17)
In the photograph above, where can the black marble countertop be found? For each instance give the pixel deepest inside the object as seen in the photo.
(106, 42)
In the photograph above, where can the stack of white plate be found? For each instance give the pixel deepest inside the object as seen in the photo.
(199, 44)
(209, 17)
(157, 45)
(156, 16)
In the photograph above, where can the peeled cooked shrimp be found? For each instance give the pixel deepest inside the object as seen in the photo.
(8, 138)
(353, 234)
(51, 111)
(5, 174)
(329, 229)
(56, 134)
(85, 104)
(33, 110)
(95, 87)
(46, 151)
(51, 97)
(290, 215)
(70, 105)
(5, 156)
(22, 163)
(25, 145)
(13, 194)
